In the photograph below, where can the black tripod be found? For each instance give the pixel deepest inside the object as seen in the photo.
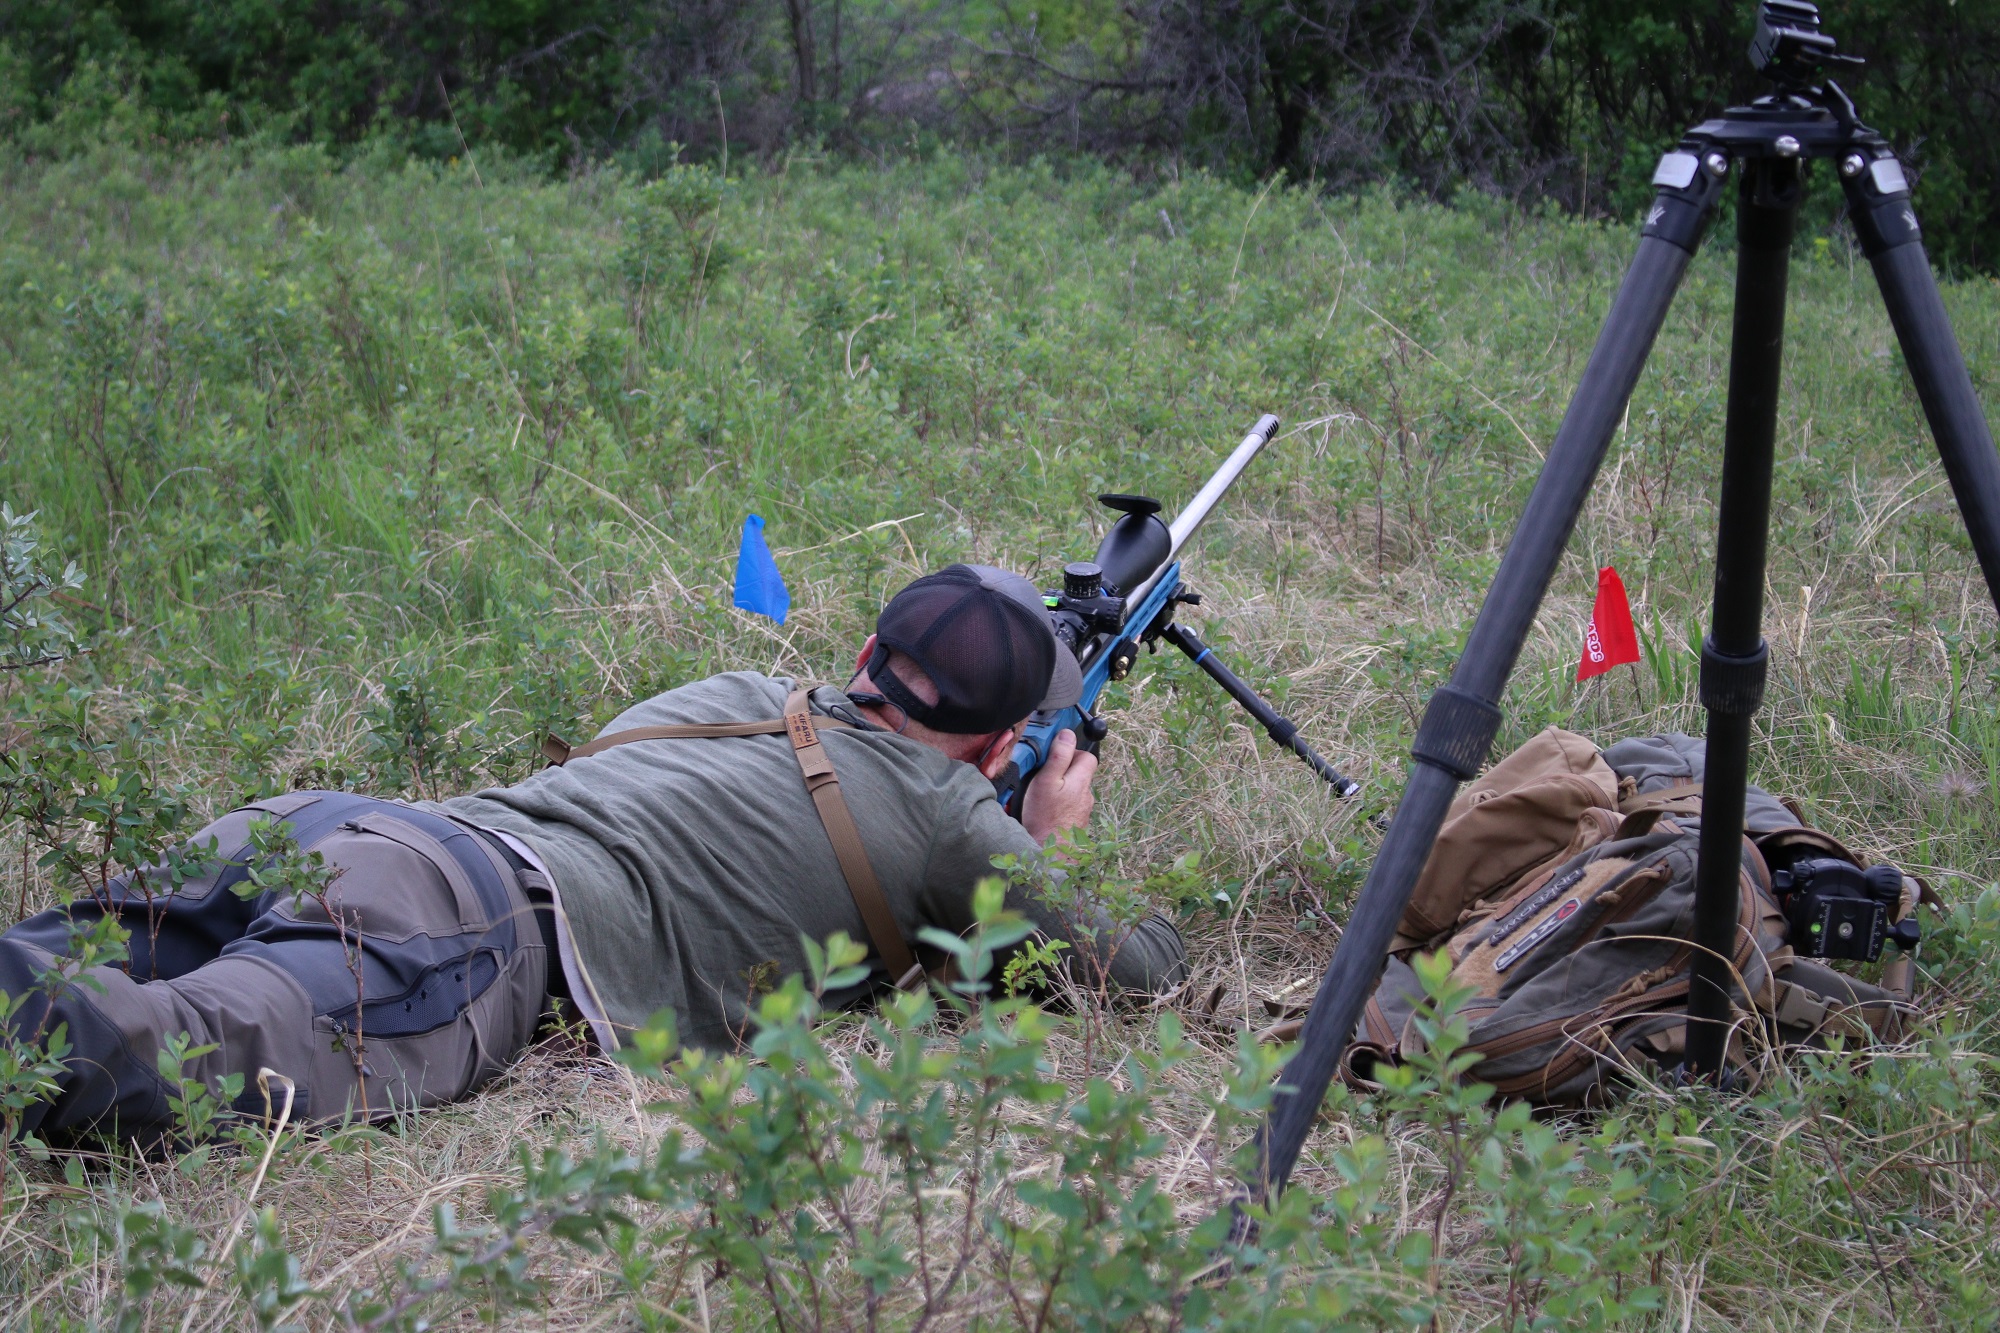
(1767, 143)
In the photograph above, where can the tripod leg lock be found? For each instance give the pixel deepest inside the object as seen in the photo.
(1689, 182)
(1733, 685)
(1456, 733)
(1878, 202)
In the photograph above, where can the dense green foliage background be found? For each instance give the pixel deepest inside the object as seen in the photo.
(1561, 100)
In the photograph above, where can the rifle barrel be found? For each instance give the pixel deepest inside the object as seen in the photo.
(1189, 520)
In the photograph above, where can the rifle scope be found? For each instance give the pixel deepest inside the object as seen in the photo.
(1139, 551)
(1108, 607)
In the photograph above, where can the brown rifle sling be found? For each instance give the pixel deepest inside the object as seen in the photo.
(822, 784)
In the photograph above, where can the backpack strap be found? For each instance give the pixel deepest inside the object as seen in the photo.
(822, 784)
(1663, 799)
(1820, 1001)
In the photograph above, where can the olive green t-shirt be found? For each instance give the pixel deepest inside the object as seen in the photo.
(689, 869)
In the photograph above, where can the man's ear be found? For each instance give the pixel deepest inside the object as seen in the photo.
(998, 751)
(867, 651)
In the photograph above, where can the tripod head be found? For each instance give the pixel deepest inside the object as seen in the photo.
(1789, 49)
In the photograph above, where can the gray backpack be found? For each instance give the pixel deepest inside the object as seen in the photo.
(1562, 889)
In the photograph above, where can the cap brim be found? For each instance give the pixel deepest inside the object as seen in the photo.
(1065, 682)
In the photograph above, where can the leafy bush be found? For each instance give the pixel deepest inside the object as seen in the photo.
(673, 248)
(1567, 101)
(31, 624)
(936, 1173)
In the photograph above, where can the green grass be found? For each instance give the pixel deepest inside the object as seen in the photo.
(376, 472)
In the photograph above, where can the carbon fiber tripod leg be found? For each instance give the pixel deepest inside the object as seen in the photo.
(1733, 657)
(1880, 207)
(1460, 723)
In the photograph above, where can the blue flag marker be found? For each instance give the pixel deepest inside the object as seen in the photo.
(759, 585)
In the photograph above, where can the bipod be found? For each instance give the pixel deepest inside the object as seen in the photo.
(1769, 141)
(1280, 728)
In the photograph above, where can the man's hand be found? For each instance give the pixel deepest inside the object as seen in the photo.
(1059, 797)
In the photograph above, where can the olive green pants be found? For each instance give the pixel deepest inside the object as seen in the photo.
(433, 978)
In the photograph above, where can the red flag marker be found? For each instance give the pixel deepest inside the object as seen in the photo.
(1611, 640)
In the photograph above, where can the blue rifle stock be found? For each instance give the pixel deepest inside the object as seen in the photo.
(1125, 598)
(1032, 750)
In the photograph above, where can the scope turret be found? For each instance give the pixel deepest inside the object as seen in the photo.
(1082, 578)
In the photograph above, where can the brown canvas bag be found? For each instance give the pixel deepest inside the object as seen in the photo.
(1576, 940)
(1551, 798)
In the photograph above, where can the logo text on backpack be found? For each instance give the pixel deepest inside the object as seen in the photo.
(1537, 935)
(1525, 913)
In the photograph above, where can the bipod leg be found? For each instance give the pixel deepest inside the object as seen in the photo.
(1282, 729)
(1734, 656)
(1879, 203)
(1463, 717)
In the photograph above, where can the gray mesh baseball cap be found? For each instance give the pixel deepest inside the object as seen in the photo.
(983, 637)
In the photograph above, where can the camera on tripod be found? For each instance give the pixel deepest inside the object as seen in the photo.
(1838, 910)
(1789, 49)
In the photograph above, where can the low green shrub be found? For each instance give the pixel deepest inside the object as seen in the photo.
(925, 1165)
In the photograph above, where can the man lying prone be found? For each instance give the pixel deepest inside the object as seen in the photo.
(664, 865)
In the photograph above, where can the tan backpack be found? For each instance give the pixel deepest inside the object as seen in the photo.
(1562, 888)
